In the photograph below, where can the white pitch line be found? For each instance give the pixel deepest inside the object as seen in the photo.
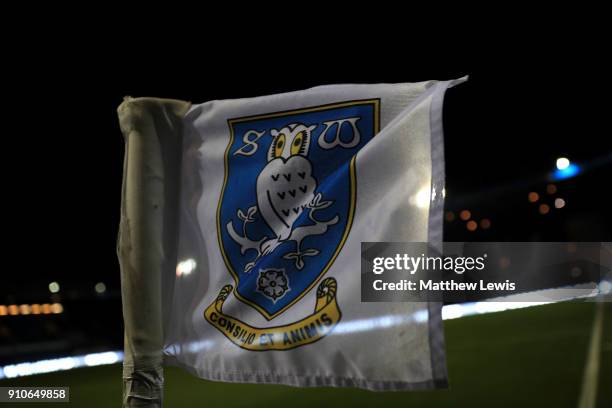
(588, 394)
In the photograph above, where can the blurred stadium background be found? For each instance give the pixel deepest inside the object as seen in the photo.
(534, 171)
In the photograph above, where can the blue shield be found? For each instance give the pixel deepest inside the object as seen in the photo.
(288, 198)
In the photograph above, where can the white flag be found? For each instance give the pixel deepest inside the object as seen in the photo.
(276, 195)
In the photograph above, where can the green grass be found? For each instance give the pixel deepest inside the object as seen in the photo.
(522, 358)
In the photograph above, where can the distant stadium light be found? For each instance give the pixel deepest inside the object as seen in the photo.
(25, 309)
(33, 309)
(570, 171)
(100, 287)
(533, 197)
(57, 308)
(54, 287)
(563, 163)
(60, 364)
(565, 169)
(559, 203)
(96, 359)
(38, 367)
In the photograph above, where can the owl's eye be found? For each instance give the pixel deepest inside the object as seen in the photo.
(279, 144)
(297, 143)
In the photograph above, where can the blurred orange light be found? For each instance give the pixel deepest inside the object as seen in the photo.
(450, 216)
(35, 309)
(533, 197)
(471, 225)
(544, 209)
(465, 215)
(485, 223)
(57, 308)
(551, 189)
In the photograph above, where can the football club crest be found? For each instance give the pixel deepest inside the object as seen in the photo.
(284, 214)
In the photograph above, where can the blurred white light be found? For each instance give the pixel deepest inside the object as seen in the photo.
(563, 163)
(54, 287)
(185, 267)
(475, 308)
(605, 287)
(100, 287)
(421, 198)
(60, 364)
(96, 359)
(453, 311)
(559, 203)
(40, 367)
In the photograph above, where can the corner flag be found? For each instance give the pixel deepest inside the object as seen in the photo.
(241, 231)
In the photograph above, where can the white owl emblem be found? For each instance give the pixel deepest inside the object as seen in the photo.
(286, 186)
(285, 189)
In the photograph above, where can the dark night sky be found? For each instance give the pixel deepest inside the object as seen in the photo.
(499, 131)
(504, 127)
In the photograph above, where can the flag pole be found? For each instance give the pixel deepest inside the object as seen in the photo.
(152, 133)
